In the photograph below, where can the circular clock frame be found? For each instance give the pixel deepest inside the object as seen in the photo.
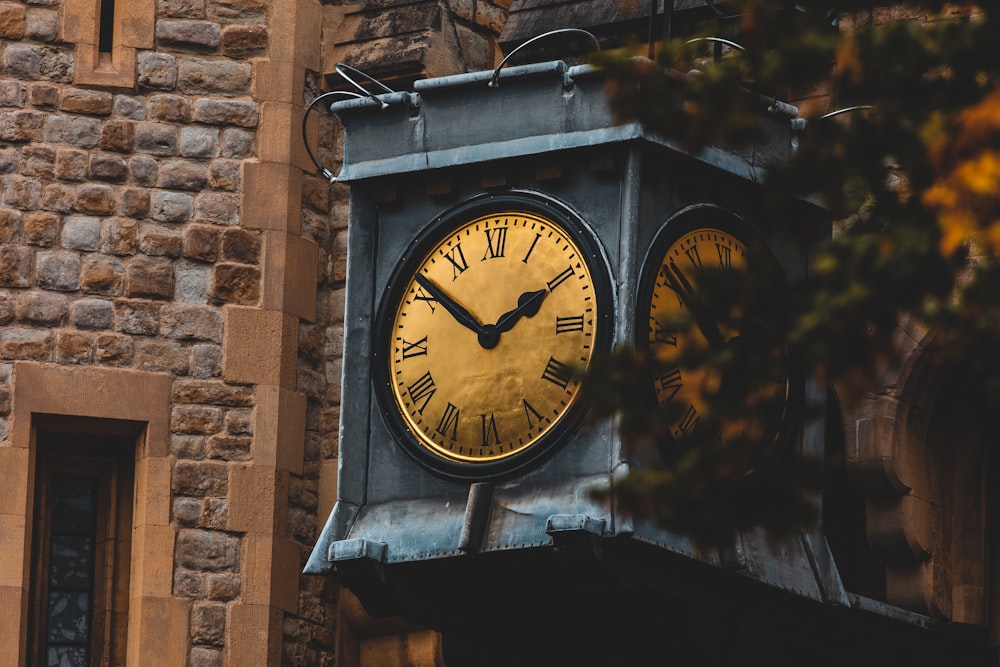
(724, 234)
(531, 304)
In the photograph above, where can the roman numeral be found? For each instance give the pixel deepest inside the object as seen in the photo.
(725, 255)
(457, 259)
(530, 412)
(420, 295)
(557, 373)
(692, 254)
(414, 349)
(449, 422)
(560, 279)
(531, 249)
(664, 336)
(687, 423)
(569, 324)
(670, 383)
(422, 390)
(496, 242)
(490, 430)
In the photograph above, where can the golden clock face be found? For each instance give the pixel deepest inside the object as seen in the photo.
(675, 295)
(489, 329)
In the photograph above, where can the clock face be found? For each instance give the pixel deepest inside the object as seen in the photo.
(488, 326)
(688, 250)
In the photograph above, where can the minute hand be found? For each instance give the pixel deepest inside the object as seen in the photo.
(461, 315)
(699, 311)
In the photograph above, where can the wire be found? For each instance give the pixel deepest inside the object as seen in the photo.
(340, 67)
(326, 173)
(495, 81)
(861, 107)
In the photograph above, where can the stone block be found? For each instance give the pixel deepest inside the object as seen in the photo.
(260, 347)
(72, 130)
(170, 108)
(224, 175)
(226, 112)
(108, 167)
(196, 419)
(150, 277)
(291, 264)
(183, 35)
(240, 245)
(192, 282)
(134, 202)
(158, 240)
(244, 41)
(91, 102)
(92, 314)
(74, 348)
(38, 160)
(172, 206)
(41, 228)
(23, 61)
(114, 350)
(196, 76)
(97, 199)
(208, 623)
(202, 242)
(236, 283)
(81, 233)
(199, 142)
(161, 356)
(183, 175)
(58, 197)
(222, 586)
(41, 24)
(212, 392)
(206, 361)
(207, 551)
(119, 234)
(10, 225)
(44, 96)
(12, 20)
(21, 126)
(272, 196)
(236, 143)
(143, 170)
(130, 106)
(182, 9)
(157, 70)
(20, 192)
(28, 344)
(117, 135)
(71, 164)
(219, 208)
(187, 511)
(58, 270)
(156, 138)
(101, 274)
(140, 318)
(41, 308)
(191, 322)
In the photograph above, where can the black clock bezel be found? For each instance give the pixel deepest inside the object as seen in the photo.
(423, 242)
(683, 221)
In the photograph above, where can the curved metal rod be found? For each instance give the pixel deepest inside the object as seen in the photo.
(340, 67)
(720, 40)
(860, 107)
(327, 174)
(495, 81)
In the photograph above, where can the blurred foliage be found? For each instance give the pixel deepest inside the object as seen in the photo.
(910, 170)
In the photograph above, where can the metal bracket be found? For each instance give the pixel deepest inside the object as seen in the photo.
(356, 549)
(574, 524)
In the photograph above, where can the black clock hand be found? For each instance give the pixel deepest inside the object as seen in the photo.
(461, 315)
(527, 306)
(699, 311)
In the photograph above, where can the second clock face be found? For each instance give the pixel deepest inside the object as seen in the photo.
(488, 333)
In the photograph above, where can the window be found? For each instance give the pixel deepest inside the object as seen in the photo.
(108, 35)
(80, 560)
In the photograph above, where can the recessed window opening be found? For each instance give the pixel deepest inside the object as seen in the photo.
(106, 28)
(80, 570)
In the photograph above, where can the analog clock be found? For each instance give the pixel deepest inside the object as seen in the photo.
(485, 328)
(693, 244)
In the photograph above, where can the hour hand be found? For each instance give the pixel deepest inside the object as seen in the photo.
(527, 306)
(699, 311)
(461, 315)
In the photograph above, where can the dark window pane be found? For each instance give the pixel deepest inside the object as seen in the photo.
(66, 656)
(71, 564)
(72, 505)
(69, 618)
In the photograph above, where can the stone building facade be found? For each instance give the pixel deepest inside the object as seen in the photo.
(171, 320)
